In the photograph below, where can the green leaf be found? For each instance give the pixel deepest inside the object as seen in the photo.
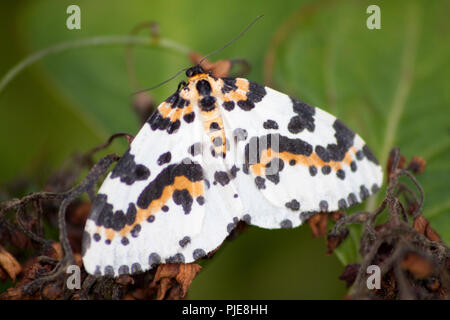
(389, 85)
(329, 58)
(95, 79)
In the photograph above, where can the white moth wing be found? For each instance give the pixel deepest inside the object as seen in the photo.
(318, 164)
(223, 207)
(152, 200)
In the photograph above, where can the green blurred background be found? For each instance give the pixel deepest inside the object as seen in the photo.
(389, 85)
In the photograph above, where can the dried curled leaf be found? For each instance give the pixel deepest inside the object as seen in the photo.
(3, 275)
(417, 265)
(350, 273)
(319, 224)
(56, 251)
(9, 264)
(218, 69)
(422, 225)
(174, 279)
(417, 165)
(12, 294)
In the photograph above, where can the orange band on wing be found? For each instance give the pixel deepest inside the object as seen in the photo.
(313, 160)
(195, 189)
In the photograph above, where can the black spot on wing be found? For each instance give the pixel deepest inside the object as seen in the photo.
(125, 241)
(233, 171)
(195, 149)
(340, 174)
(207, 103)
(229, 84)
(240, 134)
(323, 206)
(183, 198)
(200, 200)
(277, 143)
(189, 117)
(109, 271)
(256, 93)
(154, 259)
(176, 101)
(351, 199)
(364, 192)
(359, 155)
(124, 269)
(97, 271)
(232, 225)
(342, 204)
(135, 231)
(136, 268)
(173, 126)
(119, 220)
(192, 171)
(131, 213)
(275, 178)
(286, 224)
(270, 124)
(228, 105)
(177, 258)
(164, 158)
(312, 170)
(304, 118)
(157, 121)
(221, 177)
(128, 170)
(102, 214)
(293, 205)
(273, 168)
(326, 169)
(369, 155)
(336, 152)
(184, 242)
(260, 182)
(198, 253)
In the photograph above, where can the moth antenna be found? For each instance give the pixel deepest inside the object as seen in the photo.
(161, 83)
(202, 59)
(232, 41)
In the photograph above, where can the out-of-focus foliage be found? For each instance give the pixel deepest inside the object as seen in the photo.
(389, 85)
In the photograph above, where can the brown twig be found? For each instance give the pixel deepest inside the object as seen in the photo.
(388, 245)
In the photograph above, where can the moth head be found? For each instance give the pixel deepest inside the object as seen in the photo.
(194, 71)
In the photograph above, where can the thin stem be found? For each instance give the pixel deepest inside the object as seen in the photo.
(90, 42)
(129, 58)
